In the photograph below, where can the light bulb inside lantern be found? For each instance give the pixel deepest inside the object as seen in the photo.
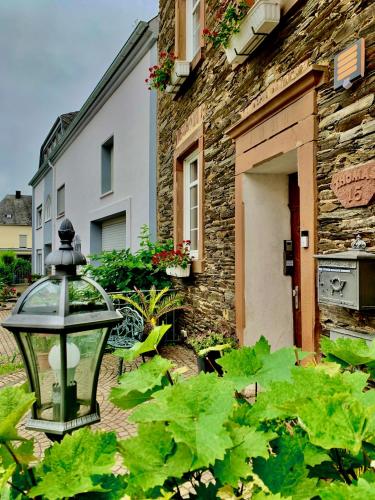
(73, 357)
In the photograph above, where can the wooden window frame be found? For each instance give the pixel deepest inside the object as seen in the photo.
(180, 32)
(194, 142)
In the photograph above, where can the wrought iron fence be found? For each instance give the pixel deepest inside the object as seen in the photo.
(173, 335)
(21, 276)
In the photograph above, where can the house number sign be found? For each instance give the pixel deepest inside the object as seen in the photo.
(355, 187)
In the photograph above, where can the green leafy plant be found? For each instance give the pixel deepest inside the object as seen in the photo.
(201, 344)
(309, 435)
(121, 270)
(153, 305)
(228, 17)
(350, 354)
(160, 74)
(7, 257)
(9, 364)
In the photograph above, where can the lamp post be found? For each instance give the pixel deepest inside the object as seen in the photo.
(61, 324)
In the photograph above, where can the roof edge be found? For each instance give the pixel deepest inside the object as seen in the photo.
(142, 29)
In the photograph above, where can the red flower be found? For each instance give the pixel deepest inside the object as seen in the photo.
(163, 54)
(206, 31)
(146, 80)
(150, 69)
(155, 67)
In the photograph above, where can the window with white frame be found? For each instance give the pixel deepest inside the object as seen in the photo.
(39, 213)
(23, 241)
(47, 209)
(193, 28)
(61, 201)
(191, 202)
(38, 262)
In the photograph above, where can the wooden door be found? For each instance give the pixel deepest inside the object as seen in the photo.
(294, 206)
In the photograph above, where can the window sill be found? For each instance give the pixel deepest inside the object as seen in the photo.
(104, 195)
(59, 216)
(187, 71)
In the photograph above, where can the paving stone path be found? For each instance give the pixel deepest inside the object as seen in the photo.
(113, 419)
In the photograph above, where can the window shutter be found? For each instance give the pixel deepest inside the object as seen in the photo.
(114, 234)
(180, 29)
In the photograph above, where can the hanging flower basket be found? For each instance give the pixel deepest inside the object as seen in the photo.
(261, 19)
(178, 271)
(180, 72)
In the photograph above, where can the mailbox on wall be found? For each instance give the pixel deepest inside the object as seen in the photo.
(347, 279)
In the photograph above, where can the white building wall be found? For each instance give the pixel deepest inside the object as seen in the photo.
(126, 117)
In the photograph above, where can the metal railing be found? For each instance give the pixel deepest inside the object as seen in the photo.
(173, 335)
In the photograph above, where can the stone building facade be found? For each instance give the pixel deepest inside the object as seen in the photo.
(279, 116)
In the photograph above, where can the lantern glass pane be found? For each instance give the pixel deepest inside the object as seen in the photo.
(44, 359)
(84, 297)
(90, 345)
(43, 299)
(45, 382)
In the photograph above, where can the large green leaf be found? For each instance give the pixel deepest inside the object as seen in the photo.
(114, 488)
(138, 386)
(150, 344)
(5, 475)
(328, 407)
(247, 443)
(347, 351)
(152, 457)
(256, 364)
(363, 490)
(285, 471)
(69, 467)
(14, 403)
(196, 411)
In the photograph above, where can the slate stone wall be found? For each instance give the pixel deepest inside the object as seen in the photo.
(315, 30)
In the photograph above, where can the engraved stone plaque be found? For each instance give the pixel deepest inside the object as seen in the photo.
(355, 187)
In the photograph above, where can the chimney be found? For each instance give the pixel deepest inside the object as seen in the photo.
(18, 195)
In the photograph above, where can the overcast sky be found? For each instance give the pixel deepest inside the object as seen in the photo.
(52, 54)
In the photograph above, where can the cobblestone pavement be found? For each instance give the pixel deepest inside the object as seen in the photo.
(112, 418)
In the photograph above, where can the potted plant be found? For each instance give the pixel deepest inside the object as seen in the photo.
(208, 348)
(160, 74)
(229, 17)
(242, 26)
(175, 262)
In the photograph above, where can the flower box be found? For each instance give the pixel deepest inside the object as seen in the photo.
(261, 19)
(180, 72)
(178, 271)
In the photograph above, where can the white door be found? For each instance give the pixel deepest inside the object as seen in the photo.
(114, 234)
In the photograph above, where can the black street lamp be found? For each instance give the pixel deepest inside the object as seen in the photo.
(61, 324)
